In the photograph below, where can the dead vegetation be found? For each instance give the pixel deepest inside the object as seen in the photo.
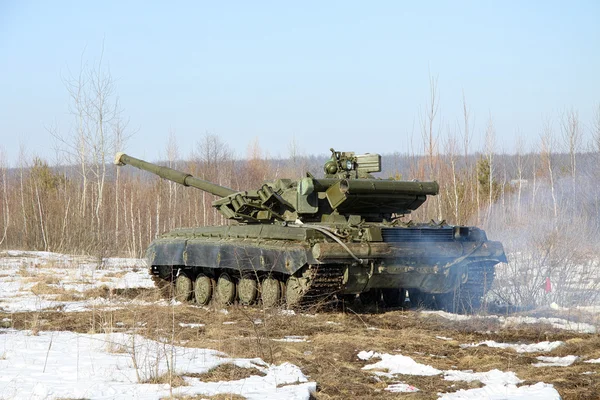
(169, 379)
(328, 356)
(228, 372)
(220, 396)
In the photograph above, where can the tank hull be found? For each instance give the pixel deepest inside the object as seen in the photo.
(432, 260)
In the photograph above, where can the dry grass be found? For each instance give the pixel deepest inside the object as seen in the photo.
(46, 279)
(42, 288)
(118, 274)
(168, 379)
(221, 396)
(228, 372)
(105, 292)
(329, 357)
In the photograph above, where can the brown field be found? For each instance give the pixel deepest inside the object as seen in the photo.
(333, 339)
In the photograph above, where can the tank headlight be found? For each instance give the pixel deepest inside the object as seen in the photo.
(348, 165)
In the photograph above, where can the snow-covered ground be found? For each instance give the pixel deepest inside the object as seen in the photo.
(48, 365)
(115, 366)
(21, 273)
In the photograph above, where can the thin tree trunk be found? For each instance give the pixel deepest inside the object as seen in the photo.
(39, 206)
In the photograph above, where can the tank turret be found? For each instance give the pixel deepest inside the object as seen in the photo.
(348, 190)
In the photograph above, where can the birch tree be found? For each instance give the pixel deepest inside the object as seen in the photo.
(451, 154)
(430, 136)
(546, 154)
(519, 165)
(572, 137)
(5, 204)
(172, 151)
(98, 130)
(490, 144)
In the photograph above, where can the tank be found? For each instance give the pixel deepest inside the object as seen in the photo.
(304, 242)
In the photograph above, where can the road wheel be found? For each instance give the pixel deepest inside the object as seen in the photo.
(225, 290)
(203, 289)
(294, 291)
(271, 292)
(247, 290)
(183, 288)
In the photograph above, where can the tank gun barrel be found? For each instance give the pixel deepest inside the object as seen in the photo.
(171, 174)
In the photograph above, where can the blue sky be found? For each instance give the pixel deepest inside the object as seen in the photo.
(346, 74)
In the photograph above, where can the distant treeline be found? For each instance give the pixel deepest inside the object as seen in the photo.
(96, 208)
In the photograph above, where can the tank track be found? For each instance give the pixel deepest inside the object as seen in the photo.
(325, 282)
(480, 278)
(470, 296)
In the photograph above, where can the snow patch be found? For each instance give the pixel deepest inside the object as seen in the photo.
(519, 348)
(557, 323)
(493, 377)
(539, 391)
(293, 339)
(398, 364)
(401, 388)
(21, 271)
(183, 325)
(499, 385)
(555, 361)
(71, 365)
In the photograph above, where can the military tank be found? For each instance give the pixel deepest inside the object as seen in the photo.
(302, 242)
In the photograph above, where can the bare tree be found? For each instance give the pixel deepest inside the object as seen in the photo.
(214, 160)
(519, 165)
(466, 143)
(172, 156)
(572, 137)
(75, 145)
(490, 144)
(103, 116)
(99, 129)
(451, 153)
(257, 166)
(548, 144)
(22, 167)
(430, 135)
(297, 163)
(466, 136)
(120, 137)
(5, 205)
